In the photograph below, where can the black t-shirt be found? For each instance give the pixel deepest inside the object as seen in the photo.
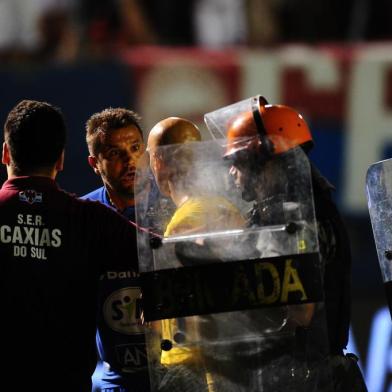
(53, 249)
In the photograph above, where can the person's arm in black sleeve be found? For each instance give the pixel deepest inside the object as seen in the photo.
(118, 242)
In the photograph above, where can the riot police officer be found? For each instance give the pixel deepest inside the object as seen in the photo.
(259, 134)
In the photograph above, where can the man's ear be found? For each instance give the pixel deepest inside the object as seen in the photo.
(60, 163)
(5, 157)
(93, 162)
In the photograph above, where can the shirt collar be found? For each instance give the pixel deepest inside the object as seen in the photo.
(128, 212)
(25, 182)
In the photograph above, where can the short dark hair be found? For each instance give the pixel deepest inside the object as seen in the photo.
(35, 133)
(106, 121)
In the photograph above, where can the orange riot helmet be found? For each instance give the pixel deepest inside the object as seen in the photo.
(271, 129)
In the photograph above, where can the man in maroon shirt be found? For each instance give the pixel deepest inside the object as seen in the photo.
(54, 248)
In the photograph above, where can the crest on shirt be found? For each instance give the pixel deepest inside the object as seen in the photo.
(30, 196)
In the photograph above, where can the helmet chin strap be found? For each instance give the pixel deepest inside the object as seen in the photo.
(267, 147)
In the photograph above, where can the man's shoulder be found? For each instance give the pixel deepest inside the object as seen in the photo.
(96, 207)
(97, 194)
(6, 194)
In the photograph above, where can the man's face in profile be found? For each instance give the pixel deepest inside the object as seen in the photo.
(243, 173)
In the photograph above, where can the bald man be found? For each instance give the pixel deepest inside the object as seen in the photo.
(173, 169)
(170, 131)
(173, 163)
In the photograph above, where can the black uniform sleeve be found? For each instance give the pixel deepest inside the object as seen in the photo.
(336, 257)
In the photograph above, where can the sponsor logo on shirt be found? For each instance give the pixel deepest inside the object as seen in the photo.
(30, 196)
(132, 357)
(110, 275)
(122, 311)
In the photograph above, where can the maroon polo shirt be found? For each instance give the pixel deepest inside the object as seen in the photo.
(53, 250)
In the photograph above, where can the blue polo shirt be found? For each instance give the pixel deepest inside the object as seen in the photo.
(120, 336)
(101, 195)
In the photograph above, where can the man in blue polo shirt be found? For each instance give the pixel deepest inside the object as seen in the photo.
(115, 142)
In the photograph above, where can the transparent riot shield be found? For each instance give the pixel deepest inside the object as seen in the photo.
(230, 305)
(379, 196)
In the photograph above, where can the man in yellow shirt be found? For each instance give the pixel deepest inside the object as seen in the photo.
(197, 211)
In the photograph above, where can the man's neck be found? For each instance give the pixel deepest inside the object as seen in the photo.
(118, 201)
(178, 196)
(31, 173)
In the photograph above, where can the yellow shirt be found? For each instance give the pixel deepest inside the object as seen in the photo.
(178, 354)
(203, 214)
